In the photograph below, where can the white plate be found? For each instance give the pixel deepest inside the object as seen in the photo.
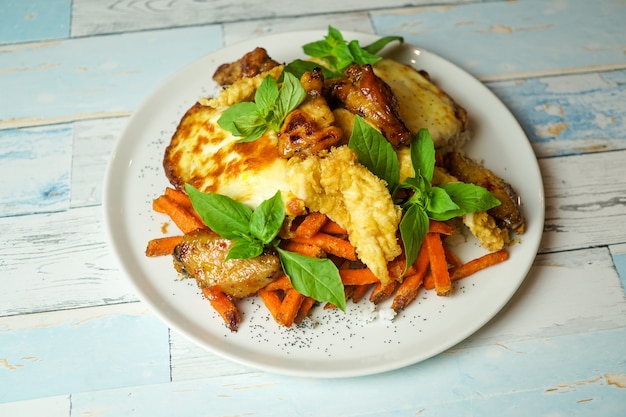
(339, 345)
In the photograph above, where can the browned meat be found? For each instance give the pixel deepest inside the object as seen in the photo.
(249, 65)
(201, 255)
(367, 95)
(309, 128)
(508, 214)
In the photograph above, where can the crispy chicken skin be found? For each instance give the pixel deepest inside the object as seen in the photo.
(309, 129)
(362, 92)
(201, 255)
(508, 214)
(249, 65)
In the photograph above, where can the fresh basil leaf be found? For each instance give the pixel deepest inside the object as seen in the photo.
(375, 153)
(469, 197)
(290, 96)
(266, 95)
(267, 219)
(245, 248)
(314, 277)
(440, 202)
(299, 67)
(360, 55)
(413, 228)
(228, 218)
(239, 117)
(422, 151)
(381, 43)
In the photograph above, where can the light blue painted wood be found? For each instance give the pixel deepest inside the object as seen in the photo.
(74, 78)
(486, 376)
(81, 354)
(620, 265)
(513, 37)
(570, 114)
(38, 163)
(34, 20)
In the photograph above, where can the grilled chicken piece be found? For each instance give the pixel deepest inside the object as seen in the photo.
(364, 93)
(201, 255)
(309, 129)
(508, 214)
(249, 65)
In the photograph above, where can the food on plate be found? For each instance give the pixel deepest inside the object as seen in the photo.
(324, 180)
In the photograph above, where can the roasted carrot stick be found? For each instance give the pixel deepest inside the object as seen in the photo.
(305, 307)
(382, 292)
(282, 283)
(272, 302)
(311, 224)
(332, 228)
(306, 249)
(471, 267)
(162, 245)
(407, 291)
(178, 196)
(360, 291)
(289, 307)
(438, 263)
(185, 221)
(451, 257)
(357, 276)
(224, 306)
(330, 244)
(442, 228)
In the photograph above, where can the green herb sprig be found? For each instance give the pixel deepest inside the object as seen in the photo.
(253, 231)
(338, 54)
(425, 201)
(250, 120)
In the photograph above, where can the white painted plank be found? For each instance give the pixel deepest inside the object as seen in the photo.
(34, 20)
(58, 261)
(93, 143)
(27, 186)
(553, 365)
(73, 79)
(59, 406)
(91, 17)
(64, 352)
(569, 114)
(515, 39)
(585, 200)
(240, 31)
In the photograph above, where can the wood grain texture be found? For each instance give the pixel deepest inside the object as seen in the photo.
(91, 17)
(34, 20)
(516, 39)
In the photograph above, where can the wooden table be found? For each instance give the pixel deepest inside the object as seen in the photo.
(74, 338)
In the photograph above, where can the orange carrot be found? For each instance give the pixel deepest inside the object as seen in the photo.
(382, 292)
(272, 302)
(306, 249)
(185, 221)
(357, 276)
(451, 257)
(360, 291)
(438, 263)
(162, 245)
(471, 267)
(330, 244)
(282, 283)
(333, 228)
(407, 291)
(178, 196)
(443, 228)
(289, 307)
(311, 224)
(224, 306)
(305, 307)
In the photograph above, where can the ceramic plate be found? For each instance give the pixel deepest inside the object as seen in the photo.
(333, 343)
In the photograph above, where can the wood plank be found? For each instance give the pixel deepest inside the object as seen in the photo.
(93, 144)
(44, 255)
(73, 80)
(34, 20)
(583, 208)
(64, 352)
(59, 406)
(90, 17)
(528, 35)
(569, 114)
(468, 375)
(38, 162)
(239, 31)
